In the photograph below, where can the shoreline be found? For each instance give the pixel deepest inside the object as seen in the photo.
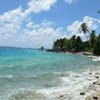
(94, 58)
(84, 86)
(88, 54)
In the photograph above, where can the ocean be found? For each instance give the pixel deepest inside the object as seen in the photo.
(25, 72)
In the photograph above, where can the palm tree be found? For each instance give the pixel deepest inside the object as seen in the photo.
(84, 29)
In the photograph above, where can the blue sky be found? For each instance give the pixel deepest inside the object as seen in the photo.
(35, 23)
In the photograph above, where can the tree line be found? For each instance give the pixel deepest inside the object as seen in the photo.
(76, 44)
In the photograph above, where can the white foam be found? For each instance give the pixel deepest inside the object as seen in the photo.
(6, 76)
(69, 89)
(95, 58)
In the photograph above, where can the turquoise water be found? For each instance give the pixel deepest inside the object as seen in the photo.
(34, 69)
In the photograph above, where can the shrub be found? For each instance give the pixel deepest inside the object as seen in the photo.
(96, 49)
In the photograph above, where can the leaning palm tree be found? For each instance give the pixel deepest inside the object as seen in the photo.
(84, 29)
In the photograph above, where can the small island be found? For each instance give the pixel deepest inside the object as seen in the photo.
(90, 46)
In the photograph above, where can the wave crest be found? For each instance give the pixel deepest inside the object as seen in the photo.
(24, 94)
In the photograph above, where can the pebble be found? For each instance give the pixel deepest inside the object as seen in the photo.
(95, 98)
(82, 93)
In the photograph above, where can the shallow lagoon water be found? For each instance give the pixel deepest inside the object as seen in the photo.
(22, 71)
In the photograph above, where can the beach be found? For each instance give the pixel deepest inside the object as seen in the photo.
(95, 58)
(85, 86)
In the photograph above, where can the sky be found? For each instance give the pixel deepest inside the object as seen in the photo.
(36, 23)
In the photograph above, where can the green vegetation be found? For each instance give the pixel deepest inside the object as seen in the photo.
(76, 44)
(84, 29)
(96, 49)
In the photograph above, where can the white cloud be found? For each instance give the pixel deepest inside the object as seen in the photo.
(11, 24)
(42, 34)
(92, 24)
(36, 35)
(13, 33)
(32, 34)
(40, 5)
(18, 14)
(69, 1)
(74, 27)
(36, 6)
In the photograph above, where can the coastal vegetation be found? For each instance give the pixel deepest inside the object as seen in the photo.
(76, 44)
